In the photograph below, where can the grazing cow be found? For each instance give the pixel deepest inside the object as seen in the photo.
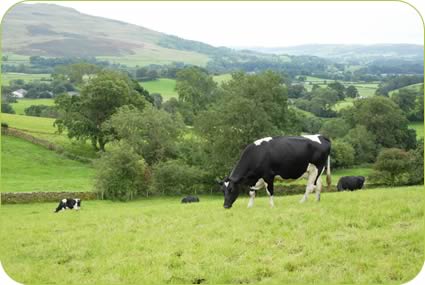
(350, 183)
(68, 204)
(285, 157)
(190, 199)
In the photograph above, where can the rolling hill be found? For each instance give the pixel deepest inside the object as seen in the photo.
(52, 30)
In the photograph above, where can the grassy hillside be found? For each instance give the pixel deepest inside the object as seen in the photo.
(52, 30)
(163, 86)
(364, 237)
(419, 128)
(31, 168)
(43, 128)
(8, 76)
(22, 104)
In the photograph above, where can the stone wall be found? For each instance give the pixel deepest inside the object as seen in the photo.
(31, 197)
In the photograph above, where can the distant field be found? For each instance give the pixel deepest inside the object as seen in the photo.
(27, 167)
(419, 128)
(43, 128)
(16, 59)
(158, 55)
(363, 237)
(415, 87)
(163, 86)
(27, 77)
(22, 104)
(222, 78)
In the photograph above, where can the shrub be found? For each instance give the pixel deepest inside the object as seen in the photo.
(41, 111)
(176, 177)
(342, 154)
(7, 108)
(4, 125)
(393, 167)
(121, 174)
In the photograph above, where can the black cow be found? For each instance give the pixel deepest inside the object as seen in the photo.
(350, 183)
(190, 199)
(68, 204)
(285, 157)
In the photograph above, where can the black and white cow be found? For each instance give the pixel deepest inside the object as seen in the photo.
(284, 157)
(68, 204)
(350, 183)
(190, 199)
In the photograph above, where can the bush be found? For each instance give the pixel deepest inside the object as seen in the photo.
(41, 111)
(417, 173)
(7, 108)
(176, 177)
(393, 167)
(4, 125)
(342, 154)
(121, 174)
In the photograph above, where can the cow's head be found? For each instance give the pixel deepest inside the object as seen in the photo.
(230, 190)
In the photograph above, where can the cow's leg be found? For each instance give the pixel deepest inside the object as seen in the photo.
(270, 191)
(319, 185)
(312, 174)
(260, 184)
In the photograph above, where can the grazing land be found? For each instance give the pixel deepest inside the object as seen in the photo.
(28, 167)
(22, 104)
(6, 77)
(222, 78)
(43, 128)
(164, 86)
(368, 236)
(419, 128)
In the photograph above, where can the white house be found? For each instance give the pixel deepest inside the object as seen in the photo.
(20, 93)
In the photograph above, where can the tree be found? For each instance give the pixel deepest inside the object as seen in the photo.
(392, 167)
(196, 87)
(405, 99)
(384, 119)
(7, 108)
(417, 156)
(76, 72)
(363, 143)
(323, 99)
(351, 91)
(84, 115)
(342, 154)
(120, 173)
(152, 133)
(334, 128)
(339, 88)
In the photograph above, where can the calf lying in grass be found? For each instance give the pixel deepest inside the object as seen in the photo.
(68, 204)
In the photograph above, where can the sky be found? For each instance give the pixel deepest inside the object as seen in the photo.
(268, 24)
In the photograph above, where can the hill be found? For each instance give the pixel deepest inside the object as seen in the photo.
(407, 51)
(52, 30)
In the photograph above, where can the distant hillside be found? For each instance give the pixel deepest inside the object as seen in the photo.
(52, 30)
(404, 51)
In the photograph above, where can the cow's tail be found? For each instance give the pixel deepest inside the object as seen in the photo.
(328, 173)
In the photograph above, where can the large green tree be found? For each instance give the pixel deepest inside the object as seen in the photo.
(82, 116)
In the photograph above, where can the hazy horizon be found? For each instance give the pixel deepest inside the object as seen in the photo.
(267, 24)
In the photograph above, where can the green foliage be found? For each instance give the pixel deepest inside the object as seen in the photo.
(339, 89)
(120, 174)
(152, 133)
(396, 82)
(393, 167)
(383, 118)
(342, 154)
(75, 72)
(334, 128)
(41, 111)
(320, 102)
(363, 143)
(83, 115)
(196, 87)
(405, 99)
(351, 91)
(7, 108)
(417, 172)
(175, 177)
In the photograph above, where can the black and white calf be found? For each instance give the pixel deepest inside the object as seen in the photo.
(284, 157)
(350, 183)
(68, 204)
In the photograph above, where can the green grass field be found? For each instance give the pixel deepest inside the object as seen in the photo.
(22, 104)
(363, 237)
(419, 128)
(164, 86)
(27, 167)
(43, 128)
(8, 76)
(414, 87)
(222, 78)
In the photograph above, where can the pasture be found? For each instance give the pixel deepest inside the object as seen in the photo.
(27, 77)
(28, 167)
(164, 86)
(43, 128)
(368, 236)
(419, 128)
(22, 104)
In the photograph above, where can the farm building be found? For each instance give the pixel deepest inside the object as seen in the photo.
(20, 93)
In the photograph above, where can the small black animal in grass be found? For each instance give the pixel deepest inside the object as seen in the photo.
(69, 203)
(190, 199)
